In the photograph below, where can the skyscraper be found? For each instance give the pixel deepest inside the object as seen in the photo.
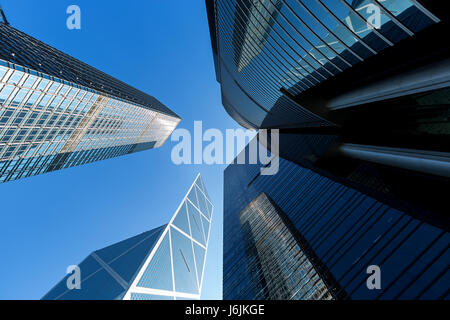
(307, 233)
(359, 91)
(279, 265)
(327, 63)
(164, 263)
(369, 78)
(58, 112)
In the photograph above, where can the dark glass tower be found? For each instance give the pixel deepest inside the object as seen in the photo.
(359, 90)
(280, 264)
(57, 112)
(165, 263)
(374, 73)
(303, 63)
(307, 233)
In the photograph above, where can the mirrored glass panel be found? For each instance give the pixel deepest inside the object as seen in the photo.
(183, 263)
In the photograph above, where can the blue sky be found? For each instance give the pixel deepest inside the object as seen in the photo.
(50, 221)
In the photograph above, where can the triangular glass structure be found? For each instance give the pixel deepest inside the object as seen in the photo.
(183, 263)
(163, 263)
(181, 219)
(112, 267)
(210, 208)
(153, 279)
(200, 183)
(112, 252)
(206, 227)
(199, 253)
(195, 222)
(193, 196)
(202, 203)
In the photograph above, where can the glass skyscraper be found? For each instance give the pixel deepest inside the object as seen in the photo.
(307, 233)
(58, 112)
(302, 63)
(165, 263)
(278, 263)
(374, 73)
(359, 92)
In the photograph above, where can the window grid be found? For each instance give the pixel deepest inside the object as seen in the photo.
(41, 118)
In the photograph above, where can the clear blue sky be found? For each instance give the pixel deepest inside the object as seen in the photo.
(54, 220)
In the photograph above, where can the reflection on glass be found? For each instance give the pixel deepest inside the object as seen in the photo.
(280, 268)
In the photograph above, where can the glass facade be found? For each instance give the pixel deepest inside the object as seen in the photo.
(279, 268)
(57, 112)
(340, 229)
(268, 51)
(165, 263)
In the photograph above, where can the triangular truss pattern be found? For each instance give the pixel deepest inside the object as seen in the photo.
(164, 263)
(180, 251)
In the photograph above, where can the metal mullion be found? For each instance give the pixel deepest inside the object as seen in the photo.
(425, 11)
(266, 76)
(16, 111)
(23, 79)
(116, 129)
(22, 75)
(295, 82)
(52, 144)
(264, 55)
(113, 123)
(132, 127)
(4, 87)
(361, 18)
(13, 154)
(121, 112)
(33, 89)
(38, 147)
(78, 102)
(46, 109)
(68, 122)
(169, 234)
(127, 115)
(42, 95)
(108, 124)
(73, 98)
(391, 252)
(346, 27)
(87, 105)
(373, 246)
(21, 109)
(411, 265)
(49, 144)
(107, 128)
(12, 94)
(292, 38)
(276, 73)
(392, 17)
(308, 270)
(65, 124)
(9, 72)
(83, 101)
(253, 86)
(277, 52)
(46, 148)
(353, 234)
(70, 113)
(35, 84)
(315, 34)
(116, 124)
(195, 261)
